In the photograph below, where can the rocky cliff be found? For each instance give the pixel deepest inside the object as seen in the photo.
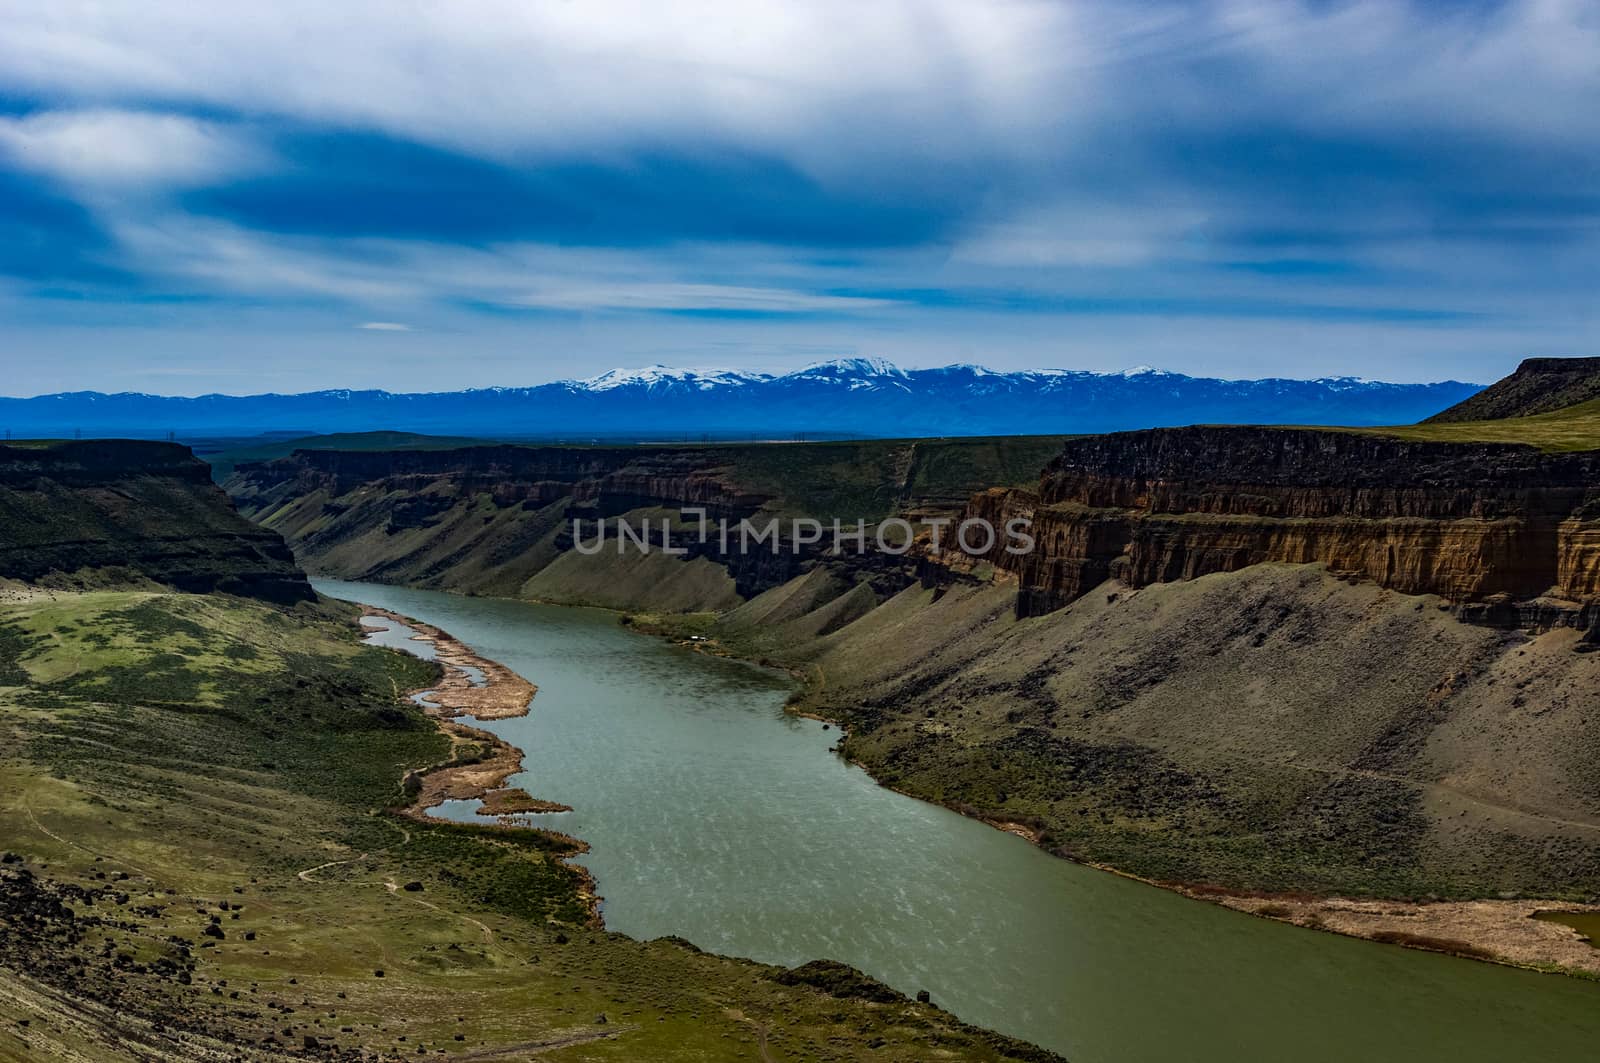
(498, 519)
(1493, 528)
(1540, 385)
(106, 511)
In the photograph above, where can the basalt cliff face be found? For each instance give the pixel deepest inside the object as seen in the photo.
(1507, 533)
(106, 511)
(600, 481)
(500, 519)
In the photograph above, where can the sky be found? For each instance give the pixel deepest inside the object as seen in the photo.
(426, 195)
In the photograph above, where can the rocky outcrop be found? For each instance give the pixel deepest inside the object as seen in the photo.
(108, 511)
(603, 481)
(498, 519)
(1482, 525)
(1540, 385)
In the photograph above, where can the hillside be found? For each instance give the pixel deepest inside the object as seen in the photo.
(1269, 729)
(198, 867)
(851, 397)
(1569, 428)
(1499, 530)
(93, 513)
(1539, 385)
(497, 520)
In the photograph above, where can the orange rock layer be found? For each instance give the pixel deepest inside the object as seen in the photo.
(1481, 525)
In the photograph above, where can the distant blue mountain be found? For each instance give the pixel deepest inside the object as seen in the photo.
(856, 397)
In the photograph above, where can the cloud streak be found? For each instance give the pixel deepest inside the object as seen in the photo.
(903, 172)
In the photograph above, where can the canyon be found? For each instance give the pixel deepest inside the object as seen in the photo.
(204, 846)
(1245, 659)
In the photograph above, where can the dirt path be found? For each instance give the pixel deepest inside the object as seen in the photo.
(305, 876)
(1444, 788)
(42, 829)
(535, 1047)
(488, 931)
(405, 839)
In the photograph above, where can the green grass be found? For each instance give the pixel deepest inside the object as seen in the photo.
(163, 755)
(1574, 428)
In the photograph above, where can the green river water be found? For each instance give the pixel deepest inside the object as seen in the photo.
(715, 816)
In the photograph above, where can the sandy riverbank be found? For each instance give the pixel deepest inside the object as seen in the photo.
(479, 762)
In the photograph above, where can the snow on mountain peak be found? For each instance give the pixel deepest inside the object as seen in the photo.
(852, 367)
(650, 376)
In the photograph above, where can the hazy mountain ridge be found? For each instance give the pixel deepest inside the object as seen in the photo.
(864, 397)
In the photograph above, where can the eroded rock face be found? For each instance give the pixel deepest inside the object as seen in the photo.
(606, 480)
(1483, 525)
(108, 511)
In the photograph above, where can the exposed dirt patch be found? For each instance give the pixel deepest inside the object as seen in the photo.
(1501, 931)
(502, 695)
(479, 762)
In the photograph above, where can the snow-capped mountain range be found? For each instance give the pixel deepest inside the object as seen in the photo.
(854, 396)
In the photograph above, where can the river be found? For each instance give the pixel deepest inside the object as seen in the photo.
(715, 816)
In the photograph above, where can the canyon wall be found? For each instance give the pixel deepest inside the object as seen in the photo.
(498, 519)
(114, 511)
(1508, 534)
(1504, 531)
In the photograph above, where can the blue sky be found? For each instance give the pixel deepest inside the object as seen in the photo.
(428, 195)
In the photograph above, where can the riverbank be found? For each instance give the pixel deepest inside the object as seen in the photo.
(718, 818)
(1501, 931)
(480, 762)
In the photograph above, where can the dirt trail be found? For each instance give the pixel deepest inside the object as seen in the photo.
(27, 808)
(305, 876)
(488, 931)
(535, 1047)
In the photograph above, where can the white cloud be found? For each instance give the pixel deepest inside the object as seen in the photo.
(124, 148)
(826, 84)
(1082, 235)
(387, 275)
(678, 296)
(384, 326)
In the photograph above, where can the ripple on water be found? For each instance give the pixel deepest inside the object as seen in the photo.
(714, 815)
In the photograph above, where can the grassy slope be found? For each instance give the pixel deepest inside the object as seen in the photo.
(1538, 385)
(210, 748)
(1573, 428)
(1270, 729)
